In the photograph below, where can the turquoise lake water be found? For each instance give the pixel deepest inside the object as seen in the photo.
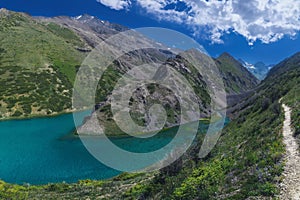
(41, 150)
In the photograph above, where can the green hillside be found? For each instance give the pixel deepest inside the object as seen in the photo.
(237, 79)
(37, 64)
(285, 81)
(247, 161)
(39, 59)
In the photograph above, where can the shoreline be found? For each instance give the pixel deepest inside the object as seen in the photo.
(38, 116)
(124, 135)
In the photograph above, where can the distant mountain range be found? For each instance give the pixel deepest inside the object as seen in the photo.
(259, 69)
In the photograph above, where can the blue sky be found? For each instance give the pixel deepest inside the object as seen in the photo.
(256, 31)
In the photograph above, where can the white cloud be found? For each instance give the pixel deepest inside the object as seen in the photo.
(115, 4)
(264, 20)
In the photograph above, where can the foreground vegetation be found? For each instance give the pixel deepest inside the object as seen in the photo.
(247, 161)
(116, 188)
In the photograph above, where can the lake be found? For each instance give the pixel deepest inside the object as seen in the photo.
(41, 151)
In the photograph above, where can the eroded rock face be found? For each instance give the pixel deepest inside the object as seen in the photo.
(142, 99)
(94, 31)
(145, 96)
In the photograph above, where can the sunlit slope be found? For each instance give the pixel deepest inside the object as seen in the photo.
(38, 65)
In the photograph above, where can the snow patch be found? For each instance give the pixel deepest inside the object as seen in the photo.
(78, 17)
(248, 65)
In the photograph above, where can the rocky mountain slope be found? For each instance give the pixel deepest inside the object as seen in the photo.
(40, 57)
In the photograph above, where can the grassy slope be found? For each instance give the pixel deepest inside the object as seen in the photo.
(290, 79)
(38, 66)
(245, 162)
(237, 78)
(86, 189)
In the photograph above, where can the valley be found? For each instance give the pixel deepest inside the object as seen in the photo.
(254, 158)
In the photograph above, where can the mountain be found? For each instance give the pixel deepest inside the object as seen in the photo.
(259, 69)
(41, 56)
(237, 79)
(39, 59)
(91, 29)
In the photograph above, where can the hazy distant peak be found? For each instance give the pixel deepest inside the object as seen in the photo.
(259, 69)
(78, 17)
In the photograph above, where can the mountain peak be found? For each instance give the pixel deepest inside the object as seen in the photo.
(229, 58)
(259, 69)
(226, 55)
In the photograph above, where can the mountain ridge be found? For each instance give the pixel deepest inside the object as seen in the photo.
(60, 44)
(237, 76)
